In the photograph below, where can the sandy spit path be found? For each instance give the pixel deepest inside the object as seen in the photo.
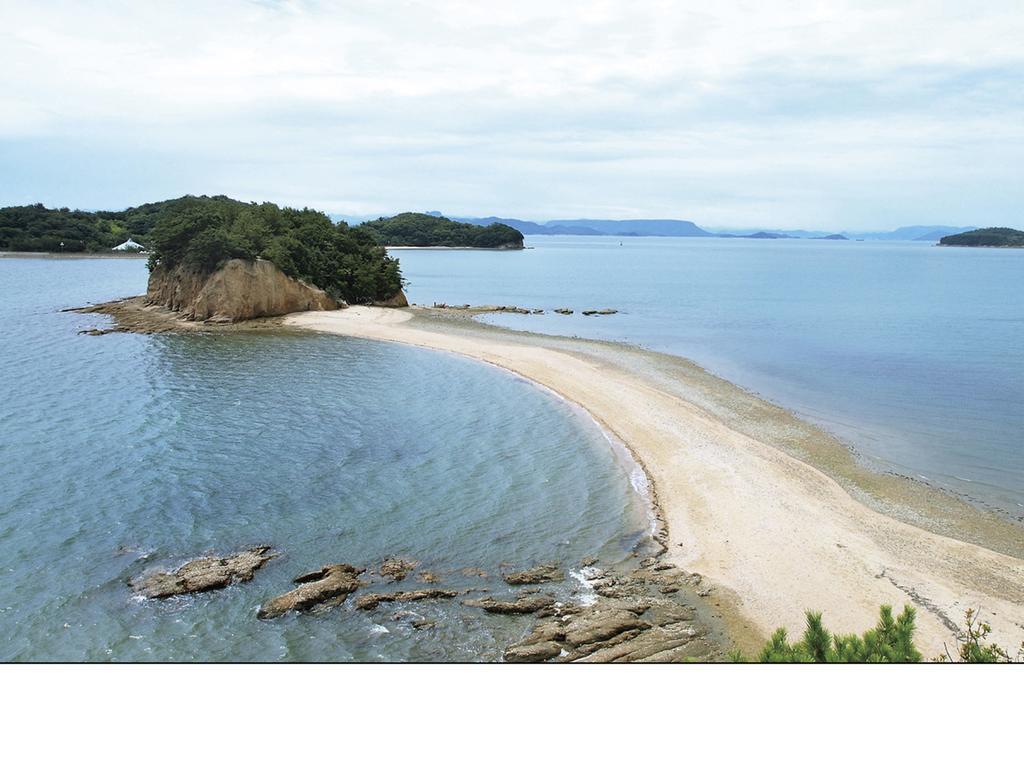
(773, 534)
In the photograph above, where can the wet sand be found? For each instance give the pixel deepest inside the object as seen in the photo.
(775, 513)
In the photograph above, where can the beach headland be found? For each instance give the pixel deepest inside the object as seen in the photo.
(776, 514)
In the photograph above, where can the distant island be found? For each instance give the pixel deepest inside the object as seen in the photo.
(758, 236)
(989, 237)
(422, 230)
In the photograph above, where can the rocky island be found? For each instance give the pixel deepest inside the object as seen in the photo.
(989, 237)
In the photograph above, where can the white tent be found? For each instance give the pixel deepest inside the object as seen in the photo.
(129, 245)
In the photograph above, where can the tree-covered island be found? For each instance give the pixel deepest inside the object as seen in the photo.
(203, 232)
(424, 231)
(990, 237)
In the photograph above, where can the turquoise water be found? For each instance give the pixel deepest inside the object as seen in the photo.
(913, 354)
(124, 452)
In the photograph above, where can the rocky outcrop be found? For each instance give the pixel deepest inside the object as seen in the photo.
(590, 312)
(238, 290)
(204, 574)
(633, 618)
(371, 601)
(537, 575)
(396, 569)
(328, 587)
(397, 301)
(488, 308)
(522, 604)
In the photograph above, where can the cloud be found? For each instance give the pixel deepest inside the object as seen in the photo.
(840, 114)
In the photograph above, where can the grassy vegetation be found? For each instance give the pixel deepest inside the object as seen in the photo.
(420, 229)
(993, 237)
(891, 641)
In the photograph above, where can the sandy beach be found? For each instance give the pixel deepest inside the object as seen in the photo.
(774, 512)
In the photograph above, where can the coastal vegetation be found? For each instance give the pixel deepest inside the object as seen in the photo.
(424, 231)
(891, 641)
(38, 229)
(989, 237)
(203, 232)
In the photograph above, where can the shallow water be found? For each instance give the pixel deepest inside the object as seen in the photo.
(124, 452)
(911, 353)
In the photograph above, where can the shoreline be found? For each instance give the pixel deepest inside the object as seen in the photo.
(453, 248)
(771, 510)
(50, 256)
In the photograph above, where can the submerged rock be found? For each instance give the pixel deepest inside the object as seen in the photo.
(589, 312)
(371, 601)
(396, 568)
(536, 575)
(204, 574)
(329, 586)
(522, 604)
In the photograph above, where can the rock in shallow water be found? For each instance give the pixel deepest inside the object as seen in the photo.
(537, 575)
(396, 568)
(204, 574)
(371, 601)
(324, 588)
(522, 604)
(632, 619)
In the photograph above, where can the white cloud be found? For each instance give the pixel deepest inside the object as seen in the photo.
(837, 114)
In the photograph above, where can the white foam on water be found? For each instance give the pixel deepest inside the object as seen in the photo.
(379, 629)
(587, 595)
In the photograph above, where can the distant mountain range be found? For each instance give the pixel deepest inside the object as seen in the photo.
(610, 227)
(684, 228)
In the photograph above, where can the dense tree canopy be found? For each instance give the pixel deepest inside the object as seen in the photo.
(202, 232)
(35, 228)
(992, 237)
(423, 230)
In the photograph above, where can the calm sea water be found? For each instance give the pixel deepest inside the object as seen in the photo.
(124, 452)
(912, 353)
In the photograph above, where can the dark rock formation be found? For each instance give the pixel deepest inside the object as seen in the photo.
(589, 312)
(563, 311)
(203, 574)
(238, 290)
(324, 588)
(522, 604)
(537, 575)
(371, 601)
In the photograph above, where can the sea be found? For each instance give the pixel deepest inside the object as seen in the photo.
(124, 453)
(911, 353)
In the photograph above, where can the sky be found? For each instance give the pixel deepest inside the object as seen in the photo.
(822, 115)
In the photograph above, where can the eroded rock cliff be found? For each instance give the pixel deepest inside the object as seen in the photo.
(238, 290)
